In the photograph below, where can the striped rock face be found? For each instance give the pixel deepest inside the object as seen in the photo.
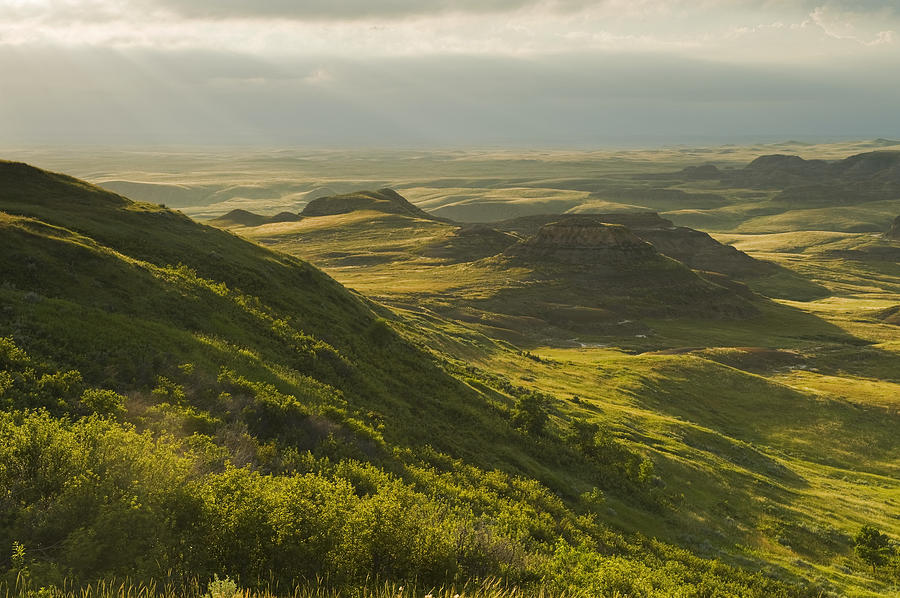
(583, 240)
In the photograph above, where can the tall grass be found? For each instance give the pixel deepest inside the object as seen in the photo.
(226, 588)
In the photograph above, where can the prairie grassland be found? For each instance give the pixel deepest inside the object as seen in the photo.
(206, 183)
(867, 217)
(778, 431)
(772, 436)
(787, 465)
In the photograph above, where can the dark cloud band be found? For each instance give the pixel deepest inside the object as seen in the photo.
(566, 100)
(353, 9)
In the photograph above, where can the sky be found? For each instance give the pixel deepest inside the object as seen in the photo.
(447, 73)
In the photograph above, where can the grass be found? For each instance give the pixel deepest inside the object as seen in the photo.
(226, 588)
(486, 205)
(750, 430)
(732, 412)
(707, 429)
(869, 217)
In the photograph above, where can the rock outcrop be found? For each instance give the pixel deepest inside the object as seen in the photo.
(530, 225)
(584, 273)
(582, 240)
(694, 248)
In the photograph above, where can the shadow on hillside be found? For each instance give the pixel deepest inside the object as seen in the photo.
(793, 421)
(784, 283)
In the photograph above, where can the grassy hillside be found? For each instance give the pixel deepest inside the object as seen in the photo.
(729, 407)
(176, 402)
(476, 274)
(125, 292)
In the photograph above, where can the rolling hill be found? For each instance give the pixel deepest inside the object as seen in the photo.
(387, 201)
(696, 249)
(240, 217)
(534, 273)
(125, 292)
(178, 402)
(583, 274)
(466, 272)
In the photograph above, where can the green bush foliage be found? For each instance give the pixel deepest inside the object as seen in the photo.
(531, 414)
(874, 547)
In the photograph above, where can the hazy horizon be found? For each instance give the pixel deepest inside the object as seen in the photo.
(446, 74)
(625, 144)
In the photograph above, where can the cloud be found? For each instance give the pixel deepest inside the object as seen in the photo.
(356, 10)
(466, 72)
(729, 30)
(305, 10)
(850, 25)
(185, 97)
(883, 37)
(861, 22)
(136, 11)
(330, 9)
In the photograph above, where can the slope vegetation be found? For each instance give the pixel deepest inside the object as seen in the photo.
(177, 402)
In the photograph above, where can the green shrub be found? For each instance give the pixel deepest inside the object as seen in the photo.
(380, 332)
(222, 588)
(531, 414)
(103, 402)
(873, 546)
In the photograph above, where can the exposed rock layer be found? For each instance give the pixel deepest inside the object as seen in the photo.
(582, 240)
(692, 247)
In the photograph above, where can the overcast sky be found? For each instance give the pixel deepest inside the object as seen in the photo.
(392, 73)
